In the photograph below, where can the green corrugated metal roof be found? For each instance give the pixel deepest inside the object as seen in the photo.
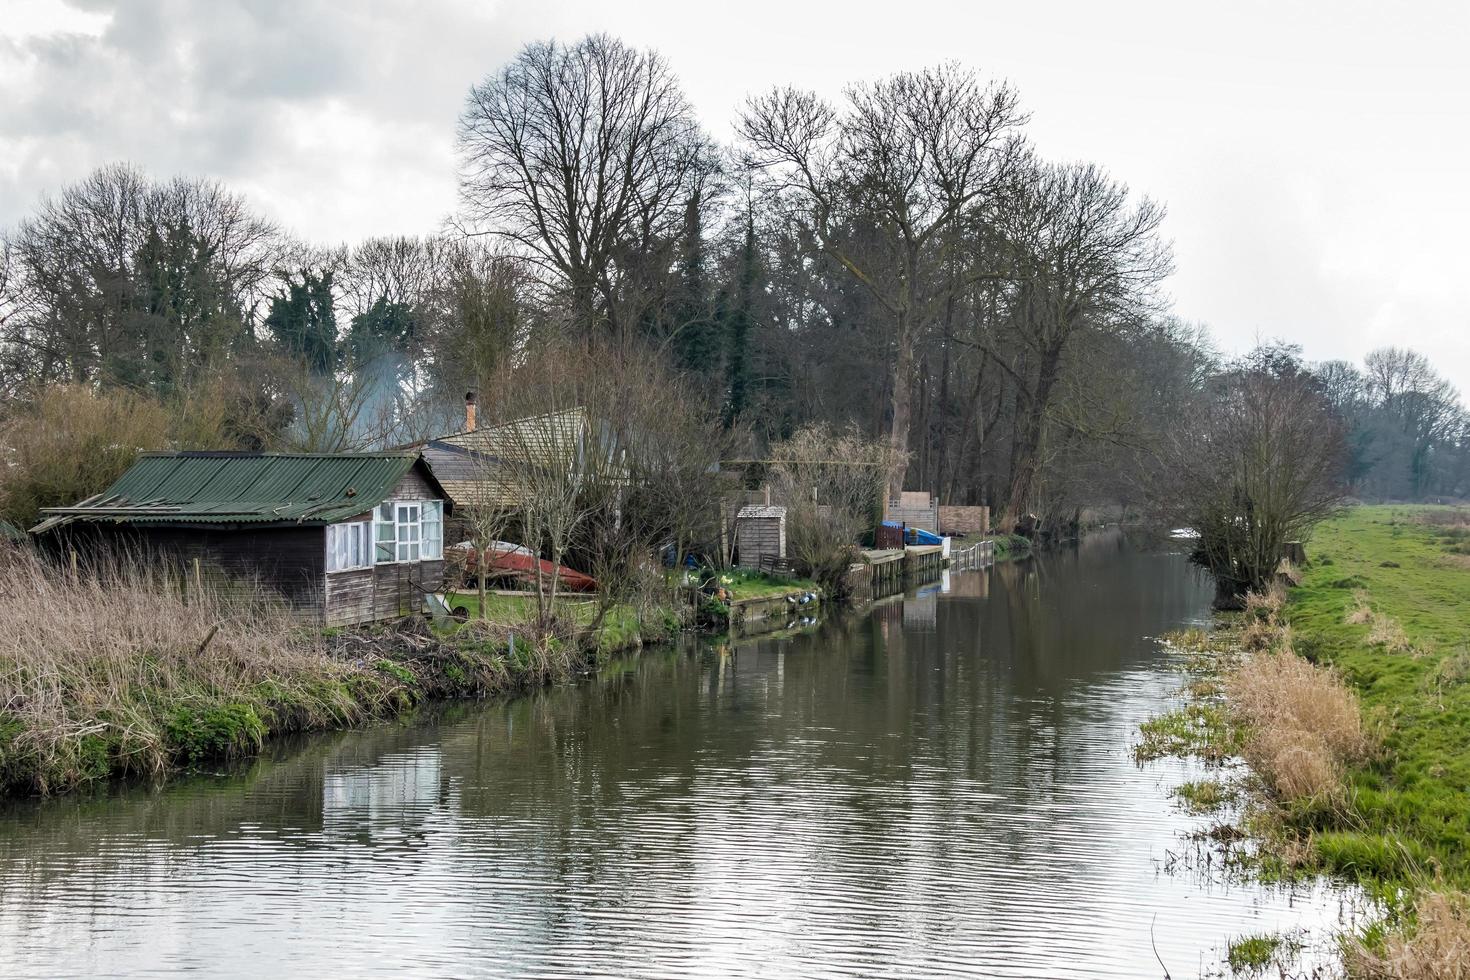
(243, 488)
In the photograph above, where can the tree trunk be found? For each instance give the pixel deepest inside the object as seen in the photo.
(898, 431)
(1027, 449)
(480, 572)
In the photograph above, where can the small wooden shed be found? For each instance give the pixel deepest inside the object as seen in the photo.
(344, 538)
(760, 532)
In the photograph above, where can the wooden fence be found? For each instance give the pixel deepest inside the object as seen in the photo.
(888, 538)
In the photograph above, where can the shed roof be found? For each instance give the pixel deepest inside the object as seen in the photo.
(548, 436)
(244, 488)
(479, 467)
(759, 511)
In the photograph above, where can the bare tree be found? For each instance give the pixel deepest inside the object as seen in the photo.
(479, 316)
(833, 485)
(609, 457)
(1422, 410)
(333, 412)
(584, 155)
(1083, 257)
(15, 299)
(883, 184)
(123, 277)
(487, 507)
(1259, 464)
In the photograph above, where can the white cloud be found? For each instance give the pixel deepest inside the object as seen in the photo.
(1311, 155)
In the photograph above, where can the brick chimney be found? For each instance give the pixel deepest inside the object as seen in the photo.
(469, 411)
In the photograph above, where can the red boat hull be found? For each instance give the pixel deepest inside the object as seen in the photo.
(523, 568)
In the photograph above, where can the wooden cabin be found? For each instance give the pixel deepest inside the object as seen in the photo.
(479, 466)
(345, 538)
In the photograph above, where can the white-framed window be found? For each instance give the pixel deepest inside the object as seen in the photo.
(433, 523)
(387, 533)
(409, 530)
(349, 546)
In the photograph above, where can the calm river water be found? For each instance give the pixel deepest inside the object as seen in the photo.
(943, 787)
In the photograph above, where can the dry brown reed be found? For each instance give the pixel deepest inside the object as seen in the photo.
(1361, 614)
(1383, 631)
(1302, 723)
(119, 667)
(1457, 517)
(1387, 633)
(1438, 948)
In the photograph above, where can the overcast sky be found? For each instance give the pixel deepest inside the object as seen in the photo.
(1313, 157)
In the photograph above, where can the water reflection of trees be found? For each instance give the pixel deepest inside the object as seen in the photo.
(876, 755)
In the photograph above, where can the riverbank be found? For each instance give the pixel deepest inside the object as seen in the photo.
(127, 674)
(1360, 757)
(1009, 547)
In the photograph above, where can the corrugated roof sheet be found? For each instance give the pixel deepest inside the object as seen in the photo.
(242, 488)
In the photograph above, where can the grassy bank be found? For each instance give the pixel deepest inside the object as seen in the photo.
(1009, 547)
(623, 628)
(745, 584)
(129, 673)
(1349, 697)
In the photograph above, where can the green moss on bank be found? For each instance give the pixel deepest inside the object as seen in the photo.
(1009, 547)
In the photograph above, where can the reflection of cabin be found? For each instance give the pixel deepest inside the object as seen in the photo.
(345, 538)
(760, 532)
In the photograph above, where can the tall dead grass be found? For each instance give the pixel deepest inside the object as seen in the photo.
(1449, 517)
(120, 668)
(1302, 723)
(1383, 631)
(1438, 947)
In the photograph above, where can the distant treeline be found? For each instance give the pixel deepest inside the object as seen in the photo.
(901, 260)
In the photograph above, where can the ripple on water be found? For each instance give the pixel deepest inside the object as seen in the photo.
(949, 794)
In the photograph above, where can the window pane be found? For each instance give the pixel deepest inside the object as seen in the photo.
(413, 552)
(386, 533)
(433, 530)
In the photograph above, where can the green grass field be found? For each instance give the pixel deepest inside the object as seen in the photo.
(753, 585)
(1407, 816)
